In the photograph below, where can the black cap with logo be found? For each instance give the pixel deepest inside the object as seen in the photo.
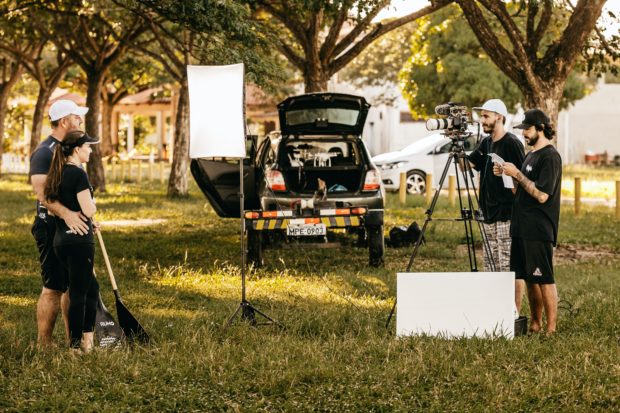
(533, 117)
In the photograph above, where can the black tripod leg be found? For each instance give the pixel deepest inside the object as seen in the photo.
(464, 213)
(232, 317)
(485, 240)
(429, 217)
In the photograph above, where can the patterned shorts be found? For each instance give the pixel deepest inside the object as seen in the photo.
(498, 236)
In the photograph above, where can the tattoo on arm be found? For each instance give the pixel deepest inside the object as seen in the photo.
(530, 188)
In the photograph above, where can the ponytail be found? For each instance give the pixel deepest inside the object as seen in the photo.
(52, 182)
(548, 131)
(62, 151)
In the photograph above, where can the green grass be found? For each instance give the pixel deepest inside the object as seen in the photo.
(181, 279)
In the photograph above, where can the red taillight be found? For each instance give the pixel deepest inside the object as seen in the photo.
(358, 211)
(373, 181)
(275, 180)
(270, 214)
(251, 215)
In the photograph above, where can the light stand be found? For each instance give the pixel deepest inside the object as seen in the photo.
(248, 311)
(468, 214)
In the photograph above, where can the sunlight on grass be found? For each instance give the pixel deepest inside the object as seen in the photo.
(17, 301)
(181, 279)
(590, 189)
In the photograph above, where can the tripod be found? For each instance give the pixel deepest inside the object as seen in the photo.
(248, 311)
(468, 213)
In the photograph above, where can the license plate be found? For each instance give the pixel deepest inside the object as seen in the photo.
(303, 230)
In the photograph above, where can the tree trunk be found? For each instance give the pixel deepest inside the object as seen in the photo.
(547, 99)
(39, 114)
(106, 125)
(96, 173)
(315, 78)
(5, 90)
(177, 183)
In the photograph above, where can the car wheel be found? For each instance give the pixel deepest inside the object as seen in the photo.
(376, 245)
(255, 248)
(416, 182)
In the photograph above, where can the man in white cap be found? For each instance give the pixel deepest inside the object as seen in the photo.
(495, 199)
(65, 115)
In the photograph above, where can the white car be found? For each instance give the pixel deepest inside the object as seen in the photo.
(428, 155)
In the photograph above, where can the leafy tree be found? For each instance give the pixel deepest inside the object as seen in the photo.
(95, 37)
(197, 32)
(42, 60)
(379, 65)
(320, 37)
(11, 67)
(536, 43)
(447, 63)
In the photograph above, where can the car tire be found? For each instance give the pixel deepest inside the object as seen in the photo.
(255, 248)
(416, 182)
(376, 245)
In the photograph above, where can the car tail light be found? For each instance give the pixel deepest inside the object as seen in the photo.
(373, 180)
(358, 211)
(275, 180)
(252, 215)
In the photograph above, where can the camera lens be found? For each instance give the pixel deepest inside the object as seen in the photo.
(437, 124)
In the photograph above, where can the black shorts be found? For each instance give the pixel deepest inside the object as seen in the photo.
(53, 273)
(532, 261)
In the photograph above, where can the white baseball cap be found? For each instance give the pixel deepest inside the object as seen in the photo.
(64, 107)
(494, 105)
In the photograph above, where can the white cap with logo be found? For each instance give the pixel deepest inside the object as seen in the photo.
(494, 105)
(64, 107)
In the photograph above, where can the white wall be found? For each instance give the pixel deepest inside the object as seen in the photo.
(591, 125)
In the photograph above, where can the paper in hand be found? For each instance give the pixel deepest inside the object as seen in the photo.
(495, 158)
(508, 183)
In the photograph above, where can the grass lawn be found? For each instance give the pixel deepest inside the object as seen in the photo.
(180, 277)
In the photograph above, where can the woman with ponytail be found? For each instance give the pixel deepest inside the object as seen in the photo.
(67, 182)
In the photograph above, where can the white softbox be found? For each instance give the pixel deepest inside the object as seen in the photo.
(216, 115)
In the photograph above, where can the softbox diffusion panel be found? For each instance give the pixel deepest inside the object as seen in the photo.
(216, 120)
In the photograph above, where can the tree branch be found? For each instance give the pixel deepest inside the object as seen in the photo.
(359, 28)
(332, 36)
(490, 42)
(560, 57)
(379, 30)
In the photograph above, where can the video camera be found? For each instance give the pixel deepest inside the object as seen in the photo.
(455, 124)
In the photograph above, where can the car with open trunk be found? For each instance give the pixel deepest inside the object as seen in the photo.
(313, 182)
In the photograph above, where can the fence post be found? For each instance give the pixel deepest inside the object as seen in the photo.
(161, 172)
(577, 195)
(429, 189)
(139, 171)
(451, 189)
(402, 189)
(123, 167)
(113, 168)
(618, 200)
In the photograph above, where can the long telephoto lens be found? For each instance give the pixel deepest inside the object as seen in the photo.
(437, 124)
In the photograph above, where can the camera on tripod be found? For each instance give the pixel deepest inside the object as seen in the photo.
(455, 124)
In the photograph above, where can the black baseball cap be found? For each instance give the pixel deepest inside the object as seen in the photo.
(533, 117)
(85, 139)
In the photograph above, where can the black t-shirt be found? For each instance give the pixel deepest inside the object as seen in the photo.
(74, 180)
(495, 200)
(532, 220)
(40, 163)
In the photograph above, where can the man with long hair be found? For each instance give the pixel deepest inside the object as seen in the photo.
(535, 218)
(65, 115)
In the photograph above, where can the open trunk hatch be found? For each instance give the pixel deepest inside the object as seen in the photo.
(321, 113)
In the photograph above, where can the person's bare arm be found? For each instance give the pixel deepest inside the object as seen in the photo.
(529, 186)
(74, 220)
(87, 205)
